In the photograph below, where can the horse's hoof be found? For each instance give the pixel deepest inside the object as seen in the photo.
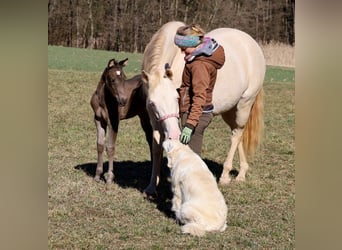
(240, 178)
(225, 181)
(150, 196)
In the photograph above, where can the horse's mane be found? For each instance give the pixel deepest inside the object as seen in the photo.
(153, 53)
(160, 47)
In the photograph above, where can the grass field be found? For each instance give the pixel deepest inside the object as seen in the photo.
(83, 215)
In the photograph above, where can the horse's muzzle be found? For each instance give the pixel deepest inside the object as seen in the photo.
(174, 134)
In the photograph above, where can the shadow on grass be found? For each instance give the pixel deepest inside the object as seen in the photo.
(130, 174)
(127, 173)
(217, 169)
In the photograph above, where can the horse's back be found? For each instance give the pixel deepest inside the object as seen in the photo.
(240, 45)
(243, 72)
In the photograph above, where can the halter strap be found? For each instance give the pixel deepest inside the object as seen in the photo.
(163, 118)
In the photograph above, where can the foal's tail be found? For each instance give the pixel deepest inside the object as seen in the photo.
(254, 128)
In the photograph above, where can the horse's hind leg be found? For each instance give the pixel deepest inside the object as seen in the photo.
(101, 135)
(236, 120)
(243, 163)
(228, 164)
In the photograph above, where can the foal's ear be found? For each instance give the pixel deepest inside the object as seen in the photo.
(123, 62)
(111, 63)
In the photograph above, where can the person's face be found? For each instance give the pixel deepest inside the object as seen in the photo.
(187, 50)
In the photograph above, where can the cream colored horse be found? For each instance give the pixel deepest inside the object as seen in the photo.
(237, 96)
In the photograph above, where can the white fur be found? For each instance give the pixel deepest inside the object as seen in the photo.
(197, 201)
(239, 82)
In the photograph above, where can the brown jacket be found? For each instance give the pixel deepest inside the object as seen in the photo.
(198, 80)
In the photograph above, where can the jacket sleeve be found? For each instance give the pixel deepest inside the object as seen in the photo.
(200, 83)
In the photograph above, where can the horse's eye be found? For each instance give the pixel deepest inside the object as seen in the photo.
(152, 105)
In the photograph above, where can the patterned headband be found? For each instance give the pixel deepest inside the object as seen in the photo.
(187, 41)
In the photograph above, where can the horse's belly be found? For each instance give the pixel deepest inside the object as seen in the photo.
(225, 100)
(228, 89)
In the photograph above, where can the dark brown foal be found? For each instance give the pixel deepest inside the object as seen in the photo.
(115, 99)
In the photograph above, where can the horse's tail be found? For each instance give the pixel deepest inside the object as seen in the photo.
(254, 128)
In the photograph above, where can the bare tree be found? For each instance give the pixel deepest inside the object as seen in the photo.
(91, 21)
(217, 5)
(128, 25)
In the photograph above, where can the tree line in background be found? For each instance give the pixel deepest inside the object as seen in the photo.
(128, 25)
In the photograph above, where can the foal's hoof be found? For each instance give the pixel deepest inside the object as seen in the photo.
(107, 187)
(109, 179)
(109, 182)
(97, 178)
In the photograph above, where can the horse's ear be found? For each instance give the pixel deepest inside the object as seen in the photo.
(168, 71)
(111, 63)
(144, 76)
(123, 62)
(168, 74)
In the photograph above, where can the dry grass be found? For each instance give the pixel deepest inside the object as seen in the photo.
(279, 54)
(83, 215)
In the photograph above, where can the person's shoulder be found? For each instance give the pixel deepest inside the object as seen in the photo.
(199, 62)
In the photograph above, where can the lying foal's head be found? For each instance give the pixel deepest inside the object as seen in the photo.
(114, 78)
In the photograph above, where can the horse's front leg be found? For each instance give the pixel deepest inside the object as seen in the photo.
(110, 152)
(101, 136)
(157, 152)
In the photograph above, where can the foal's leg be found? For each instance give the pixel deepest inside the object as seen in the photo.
(101, 135)
(110, 152)
(146, 125)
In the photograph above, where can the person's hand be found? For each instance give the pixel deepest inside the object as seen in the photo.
(185, 135)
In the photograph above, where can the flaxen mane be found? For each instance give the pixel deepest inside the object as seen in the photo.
(159, 51)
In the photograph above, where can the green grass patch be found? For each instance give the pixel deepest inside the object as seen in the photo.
(65, 58)
(276, 74)
(76, 59)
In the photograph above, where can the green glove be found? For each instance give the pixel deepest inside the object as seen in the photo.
(185, 135)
